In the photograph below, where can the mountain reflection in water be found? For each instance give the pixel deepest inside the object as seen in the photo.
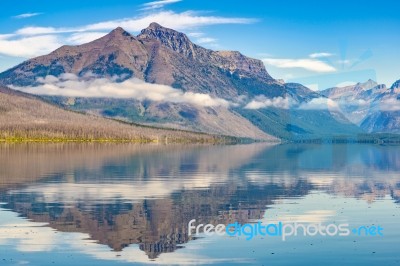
(123, 194)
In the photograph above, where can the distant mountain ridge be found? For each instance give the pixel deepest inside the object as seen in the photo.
(357, 88)
(372, 106)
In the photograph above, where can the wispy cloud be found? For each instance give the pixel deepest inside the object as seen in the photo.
(178, 21)
(344, 62)
(84, 37)
(34, 41)
(158, 4)
(195, 34)
(6, 36)
(29, 31)
(29, 46)
(72, 86)
(263, 102)
(320, 104)
(206, 40)
(389, 104)
(306, 63)
(320, 55)
(27, 15)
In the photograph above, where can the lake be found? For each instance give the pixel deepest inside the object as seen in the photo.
(106, 204)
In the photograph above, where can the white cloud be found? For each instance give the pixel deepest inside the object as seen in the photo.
(193, 34)
(29, 46)
(320, 104)
(27, 15)
(158, 4)
(389, 104)
(6, 36)
(70, 85)
(320, 55)
(33, 41)
(206, 40)
(345, 84)
(312, 86)
(84, 37)
(308, 64)
(178, 21)
(344, 62)
(262, 102)
(37, 31)
(170, 19)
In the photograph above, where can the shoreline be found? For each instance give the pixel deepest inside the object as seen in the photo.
(225, 140)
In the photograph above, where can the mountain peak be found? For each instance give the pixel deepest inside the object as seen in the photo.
(158, 54)
(177, 41)
(395, 85)
(155, 25)
(369, 84)
(119, 31)
(156, 31)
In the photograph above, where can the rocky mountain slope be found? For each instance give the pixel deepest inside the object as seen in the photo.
(385, 115)
(218, 120)
(26, 117)
(372, 106)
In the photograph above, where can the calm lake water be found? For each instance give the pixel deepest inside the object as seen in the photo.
(106, 204)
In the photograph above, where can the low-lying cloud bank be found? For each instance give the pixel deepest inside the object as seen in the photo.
(263, 102)
(389, 105)
(320, 104)
(72, 86)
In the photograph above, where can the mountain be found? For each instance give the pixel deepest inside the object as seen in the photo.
(218, 120)
(353, 99)
(372, 106)
(395, 87)
(176, 62)
(225, 74)
(159, 55)
(117, 53)
(336, 92)
(384, 117)
(300, 93)
(23, 116)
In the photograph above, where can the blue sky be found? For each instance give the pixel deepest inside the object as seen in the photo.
(319, 44)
